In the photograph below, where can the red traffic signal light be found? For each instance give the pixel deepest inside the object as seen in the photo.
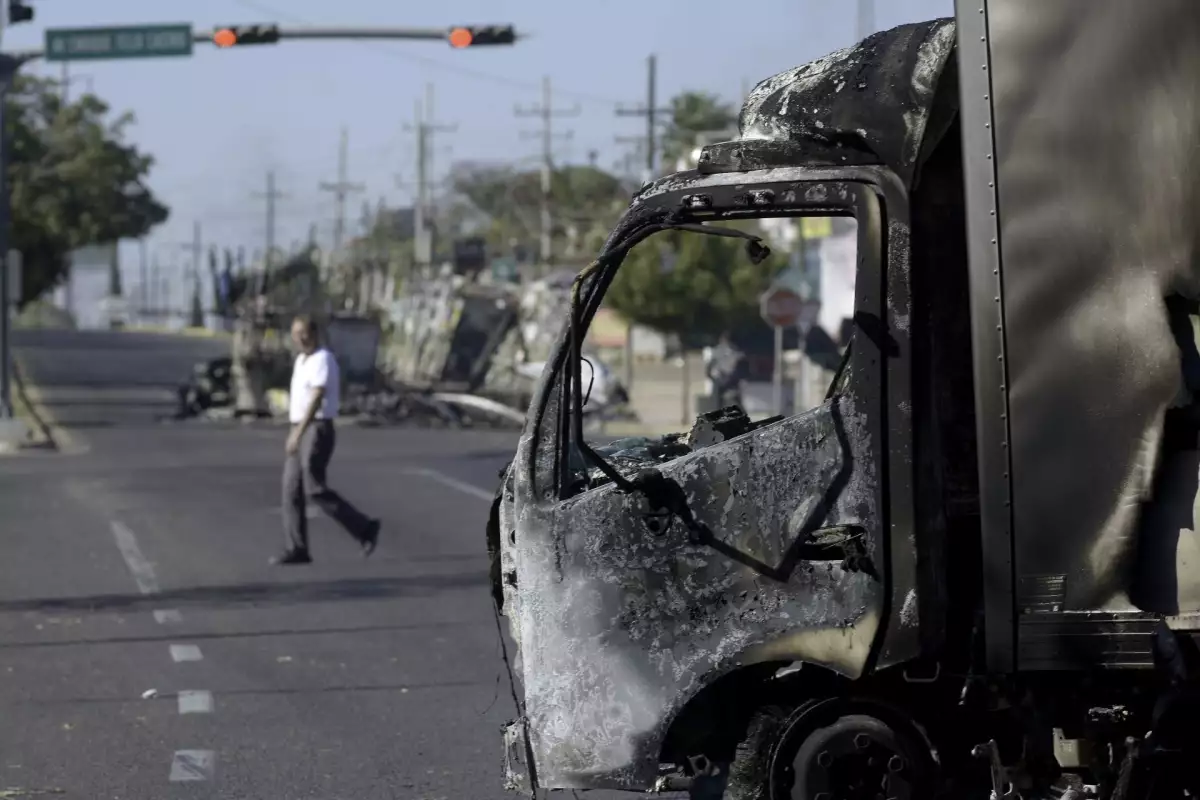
(232, 35)
(480, 35)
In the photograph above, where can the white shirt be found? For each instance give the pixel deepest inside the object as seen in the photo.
(311, 372)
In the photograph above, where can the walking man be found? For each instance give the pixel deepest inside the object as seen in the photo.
(312, 409)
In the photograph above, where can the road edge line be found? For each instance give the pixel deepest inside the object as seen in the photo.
(60, 439)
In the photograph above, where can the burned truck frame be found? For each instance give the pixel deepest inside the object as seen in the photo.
(971, 571)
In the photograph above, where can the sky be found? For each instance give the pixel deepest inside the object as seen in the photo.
(218, 121)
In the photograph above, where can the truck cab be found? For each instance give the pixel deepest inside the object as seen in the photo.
(966, 572)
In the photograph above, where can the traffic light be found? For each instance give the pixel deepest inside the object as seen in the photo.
(19, 12)
(480, 35)
(236, 35)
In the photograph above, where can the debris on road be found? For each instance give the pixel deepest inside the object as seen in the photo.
(461, 358)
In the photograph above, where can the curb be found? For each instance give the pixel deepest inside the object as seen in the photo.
(56, 437)
(194, 333)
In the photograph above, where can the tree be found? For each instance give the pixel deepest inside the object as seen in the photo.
(694, 113)
(74, 180)
(692, 285)
(507, 204)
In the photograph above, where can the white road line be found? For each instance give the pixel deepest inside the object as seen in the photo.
(193, 765)
(453, 483)
(167, 616)
(143, 570)
(185, 652)
(195, 701)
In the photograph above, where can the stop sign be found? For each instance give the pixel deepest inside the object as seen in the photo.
(781, 307)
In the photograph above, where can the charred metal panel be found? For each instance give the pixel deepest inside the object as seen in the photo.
(620, 626)
(865, 104)
(1096, 122)
(988, 331)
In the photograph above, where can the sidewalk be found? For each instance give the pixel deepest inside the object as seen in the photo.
(26, 430)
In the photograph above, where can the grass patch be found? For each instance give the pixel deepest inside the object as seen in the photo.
(36, 434)
(42, 315)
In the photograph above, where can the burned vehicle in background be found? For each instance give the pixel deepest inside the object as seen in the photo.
(972, 571)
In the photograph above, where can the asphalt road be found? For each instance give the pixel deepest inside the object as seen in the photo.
(148, 651)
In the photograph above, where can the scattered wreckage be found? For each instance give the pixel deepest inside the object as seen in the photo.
(464, 362)
(972, 571)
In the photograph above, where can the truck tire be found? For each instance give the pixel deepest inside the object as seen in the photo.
(749, 774)
(840, 748)
(777, 758)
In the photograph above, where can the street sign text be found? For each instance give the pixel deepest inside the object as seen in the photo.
(146, 41)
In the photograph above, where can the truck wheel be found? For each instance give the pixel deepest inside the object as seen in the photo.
(846, 750)
(749, 774)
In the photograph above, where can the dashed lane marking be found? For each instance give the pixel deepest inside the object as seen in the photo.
(142, 569)
(195, 701)
(193, 765)
(185, 652)
(453, 483)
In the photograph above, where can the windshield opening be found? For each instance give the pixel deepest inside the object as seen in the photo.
(688, 328)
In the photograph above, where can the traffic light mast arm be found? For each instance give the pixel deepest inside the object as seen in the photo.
(373, 32)
(298, 33)
(428, 34)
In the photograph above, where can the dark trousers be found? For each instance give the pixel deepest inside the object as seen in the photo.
(304, 477)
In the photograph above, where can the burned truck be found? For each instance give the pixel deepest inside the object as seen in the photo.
(973, 570)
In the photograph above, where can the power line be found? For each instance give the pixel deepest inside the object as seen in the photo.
(425, 127)
(271, 196)
(341, 191)
(651, 113)
(547, 112)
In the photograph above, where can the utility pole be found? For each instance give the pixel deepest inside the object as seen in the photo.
(425, 128)
(271, 195)
(155, 289)
(341, 190)
(144, 279)
(8, 71)
(547, 112)
(197, 310)
(652, 114)
(866, 18)
(191, 274)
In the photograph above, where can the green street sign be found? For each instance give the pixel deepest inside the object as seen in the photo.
(144, 41)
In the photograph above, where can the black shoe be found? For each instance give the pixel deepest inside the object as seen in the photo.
(292, 557)
(370, 537)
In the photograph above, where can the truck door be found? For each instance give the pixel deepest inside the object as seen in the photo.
(624, 615)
